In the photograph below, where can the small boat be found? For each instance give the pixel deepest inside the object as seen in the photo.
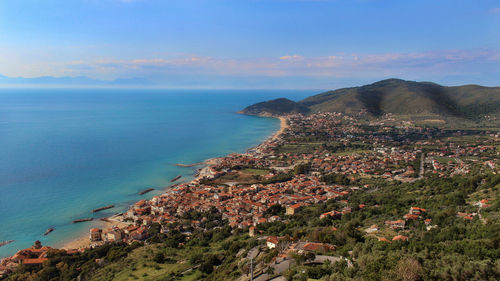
(3, 243)
(103, 208)
(82, 220)
(176, 178)
(48, 231)
(146, 191)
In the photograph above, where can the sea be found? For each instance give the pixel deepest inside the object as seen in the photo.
(64, 152)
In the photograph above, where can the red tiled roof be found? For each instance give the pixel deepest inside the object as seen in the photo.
(400, 237)
(383, 239)
(272, 239)
(34, 261)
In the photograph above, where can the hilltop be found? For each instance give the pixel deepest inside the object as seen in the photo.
(393, 96)
(276, 107)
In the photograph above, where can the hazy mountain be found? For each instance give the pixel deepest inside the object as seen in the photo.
(71, 81)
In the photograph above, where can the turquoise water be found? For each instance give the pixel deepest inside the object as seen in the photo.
(66, 152)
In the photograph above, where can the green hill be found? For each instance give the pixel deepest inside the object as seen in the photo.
(276, 107)
(399, 97)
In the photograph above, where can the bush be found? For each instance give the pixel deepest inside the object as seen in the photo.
(159, 257)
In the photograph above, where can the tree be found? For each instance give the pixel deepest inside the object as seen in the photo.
(270, 270)
(302, 168)
(335, 178)
(154, 229)
(209, 262)
(159, 257)
(275, 210)
(302, 258)
(206, 268)
(408, 269)
(283, 245)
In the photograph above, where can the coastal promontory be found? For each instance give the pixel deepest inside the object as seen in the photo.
(393, 96)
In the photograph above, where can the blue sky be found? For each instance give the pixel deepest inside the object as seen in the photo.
(312, 44)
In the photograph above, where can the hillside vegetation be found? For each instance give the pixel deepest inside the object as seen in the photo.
(276, 107)
(394, 96)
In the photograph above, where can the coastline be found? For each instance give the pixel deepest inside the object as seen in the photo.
(283, 126)
(82, 241)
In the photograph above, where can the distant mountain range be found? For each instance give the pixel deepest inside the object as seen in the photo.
(399, 97)
(71, 81)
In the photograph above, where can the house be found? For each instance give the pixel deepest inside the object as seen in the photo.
(35, 255)
(416, 211)
(139, 234)
(251, 231)
(95, 234)
(272, 242)
(383, 239)
(333, 213)
(410, 217)
(274, 218)
(372, 229)
(346, 210)
(292, 209)
(114, 234)
(34, 261)
(466, 216)
(400, 238)
(130, 229)
(316, 247)
(396, 224)
(261, 220)
(482, 204)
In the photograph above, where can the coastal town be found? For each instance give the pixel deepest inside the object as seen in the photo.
(249, 140)
(320, 158)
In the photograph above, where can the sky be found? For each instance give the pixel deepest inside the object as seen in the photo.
(265, 44)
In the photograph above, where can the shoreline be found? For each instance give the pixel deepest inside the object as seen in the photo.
(83, 241)
(283, 126)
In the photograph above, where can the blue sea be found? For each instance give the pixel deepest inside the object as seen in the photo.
(64, 152)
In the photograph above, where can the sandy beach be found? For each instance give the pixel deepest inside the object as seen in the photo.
(283, 126)
(83, 241)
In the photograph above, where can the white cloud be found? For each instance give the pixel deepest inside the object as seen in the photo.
(353, 65)
(291, 58)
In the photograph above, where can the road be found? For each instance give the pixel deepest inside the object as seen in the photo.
(422, 165)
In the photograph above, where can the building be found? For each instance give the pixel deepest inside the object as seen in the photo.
(315, 247)
(400, 238)
(416, 211)
(140, 233)
(95, 234)
(251, 231)
(372, 229)
(35, 255)
(114, 234)
(396, 224)
(292, 209)
(272, 242)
